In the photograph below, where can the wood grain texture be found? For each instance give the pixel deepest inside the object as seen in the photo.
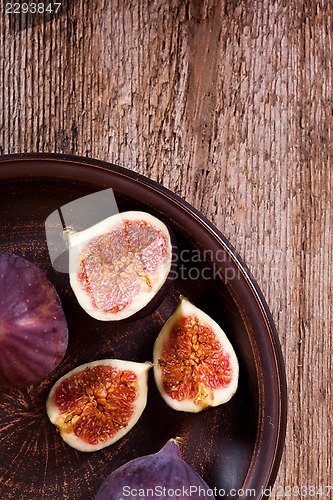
(228, 104)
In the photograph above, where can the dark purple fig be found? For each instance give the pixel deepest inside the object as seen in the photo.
(33, 327)
(159, 475)
(120, 267)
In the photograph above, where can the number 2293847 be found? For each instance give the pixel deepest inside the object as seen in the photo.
(32, 8)
(305, 491)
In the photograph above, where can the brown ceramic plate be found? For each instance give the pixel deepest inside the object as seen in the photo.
(236, 446)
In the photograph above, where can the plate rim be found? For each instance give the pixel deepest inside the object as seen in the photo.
(264, 428)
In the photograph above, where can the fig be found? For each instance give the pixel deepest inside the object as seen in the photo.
(33, 327)
(159, 475)
(97, 403)
(118, 266)
(195, 365)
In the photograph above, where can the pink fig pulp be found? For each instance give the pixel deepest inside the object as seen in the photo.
(120, 266)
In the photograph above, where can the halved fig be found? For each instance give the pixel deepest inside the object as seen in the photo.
(195, 365)
(118, 266)
(97, 403)
(33, 327)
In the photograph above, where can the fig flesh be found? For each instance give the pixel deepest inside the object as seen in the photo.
(195, 365)
(118, 266)
(159, 475)
(97, 403)
(33, 327)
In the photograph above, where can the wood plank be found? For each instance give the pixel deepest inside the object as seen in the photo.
(228, 104)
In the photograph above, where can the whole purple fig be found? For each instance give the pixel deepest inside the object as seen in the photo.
(33, 327)
(159, 475)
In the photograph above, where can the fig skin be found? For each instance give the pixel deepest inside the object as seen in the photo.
(208, 394)
(33, 327)
(141, 303)
(156, 473)
(92, 403)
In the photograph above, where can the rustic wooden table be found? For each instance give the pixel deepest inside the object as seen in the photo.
(228, 104)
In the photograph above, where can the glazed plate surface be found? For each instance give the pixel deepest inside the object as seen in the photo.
(236, 446)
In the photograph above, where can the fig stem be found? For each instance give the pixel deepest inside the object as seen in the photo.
(172, 447)
(68, 230)
(178, 440)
